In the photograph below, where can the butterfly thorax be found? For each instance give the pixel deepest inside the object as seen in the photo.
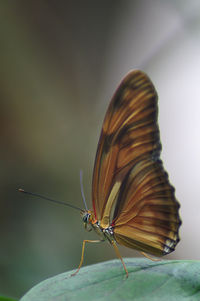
(90, 223)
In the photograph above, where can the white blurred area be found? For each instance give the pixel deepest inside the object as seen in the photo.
(60, 65)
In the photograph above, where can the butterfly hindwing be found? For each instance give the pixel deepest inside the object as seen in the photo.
(146, 215)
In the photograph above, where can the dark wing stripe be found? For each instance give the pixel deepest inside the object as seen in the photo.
(149, 221)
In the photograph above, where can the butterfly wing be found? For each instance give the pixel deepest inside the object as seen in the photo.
(146, 214)
(129, 181)
(129, 132)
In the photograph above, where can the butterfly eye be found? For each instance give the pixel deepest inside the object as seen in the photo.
(86, 218)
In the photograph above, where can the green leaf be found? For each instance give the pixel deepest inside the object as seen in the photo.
(6, 299)
(147, 281)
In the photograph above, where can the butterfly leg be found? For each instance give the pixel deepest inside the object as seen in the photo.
(149, 257)
(119, 256)
(82, 254)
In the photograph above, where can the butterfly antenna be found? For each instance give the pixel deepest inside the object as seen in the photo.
(82, 192)
(48, 199)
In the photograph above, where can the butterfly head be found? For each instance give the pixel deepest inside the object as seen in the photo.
(88, 219)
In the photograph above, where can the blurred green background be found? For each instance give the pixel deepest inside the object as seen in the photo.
(60, 62)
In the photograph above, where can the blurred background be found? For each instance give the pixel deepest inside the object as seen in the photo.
(60, 62)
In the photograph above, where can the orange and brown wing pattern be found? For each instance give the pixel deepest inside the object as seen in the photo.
(129, 135)
(146, 214)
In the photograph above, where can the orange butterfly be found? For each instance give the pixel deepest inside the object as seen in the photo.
(133, 202)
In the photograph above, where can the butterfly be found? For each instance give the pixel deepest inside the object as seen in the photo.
(134, 204)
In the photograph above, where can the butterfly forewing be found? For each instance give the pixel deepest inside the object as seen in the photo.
(128, 179)
(129, 133)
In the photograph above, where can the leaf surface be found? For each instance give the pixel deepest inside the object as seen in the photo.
(162, 280)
